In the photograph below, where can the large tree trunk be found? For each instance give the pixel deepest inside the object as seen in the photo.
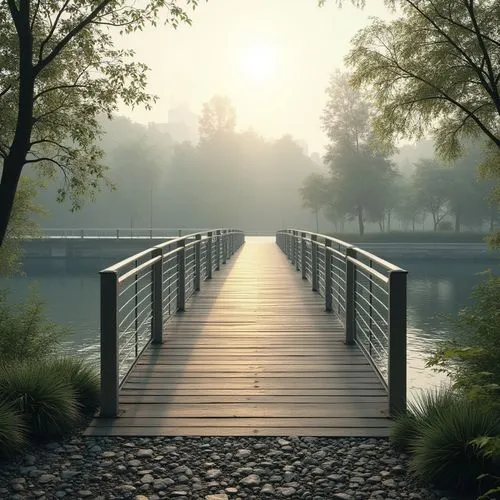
(8, 188)
(16, 158)
(360, 220)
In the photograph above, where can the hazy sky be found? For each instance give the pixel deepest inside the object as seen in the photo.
(272, 58)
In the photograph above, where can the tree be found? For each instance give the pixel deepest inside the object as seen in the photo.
(436, 68)
(218, 115)
(432, 186)
(314, 193)
(21, 226)
(60, 72)
(361, 172)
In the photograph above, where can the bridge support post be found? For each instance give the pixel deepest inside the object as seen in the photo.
(157, 295)
(397, 374)
(197, 270)
(224, 237)
(350, 295)
(314, 262)
(303, 256)
(181, 276)
(296, 259)
(328, 275)
(217, 250)
(209, 255)
(109, 345)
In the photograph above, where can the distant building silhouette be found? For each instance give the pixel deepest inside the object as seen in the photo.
(182, 124)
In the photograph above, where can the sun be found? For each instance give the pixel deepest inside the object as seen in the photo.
(259, 63)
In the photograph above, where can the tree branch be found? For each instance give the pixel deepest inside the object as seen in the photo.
(70, 35)
(52, 29)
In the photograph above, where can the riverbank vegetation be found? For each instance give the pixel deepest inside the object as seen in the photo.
(453, 435)
(42, 394)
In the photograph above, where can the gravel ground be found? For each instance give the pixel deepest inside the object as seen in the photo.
(212, 469)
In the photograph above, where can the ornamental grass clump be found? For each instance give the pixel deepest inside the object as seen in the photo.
(427, 405)
(42, 396)
(12, 430)
(83, 379)
(443, 452)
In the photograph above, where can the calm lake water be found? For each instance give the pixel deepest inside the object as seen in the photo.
(437, 289)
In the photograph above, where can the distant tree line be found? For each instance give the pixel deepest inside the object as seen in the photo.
(363, 183)
(229, 178)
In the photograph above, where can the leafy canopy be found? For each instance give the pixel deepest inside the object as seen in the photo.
(436, 68)
(60, 71)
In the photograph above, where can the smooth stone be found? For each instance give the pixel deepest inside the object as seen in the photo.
(286, 491)
(217, 496)
(251, 480)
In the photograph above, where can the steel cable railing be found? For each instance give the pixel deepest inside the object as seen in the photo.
(367, 293)
(141, 293)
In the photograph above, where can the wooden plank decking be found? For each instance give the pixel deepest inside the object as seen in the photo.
(254, 354)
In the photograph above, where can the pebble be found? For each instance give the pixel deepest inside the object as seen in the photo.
(212, 468)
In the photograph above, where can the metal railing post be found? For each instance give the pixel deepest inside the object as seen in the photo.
(292, 248)
(157, 303)
(117, 234)
(328, 275)
(197, 275)
(209, 255)
(217, 250)
(109, 345)
(303, 256)
(314, 262)
(181, 276)
(397, 342)
(224, 245)
(350, 295)
(296, 250)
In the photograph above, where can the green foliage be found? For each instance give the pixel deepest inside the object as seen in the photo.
(21, 225)
(353, 155)
(427, 405)
(314, 193)
(474, 366)
(60, 72)
(12, 430)
(433, 69)
(42, 395)
(443, 452)
(25, 331)
(489, 448)
(83, 379)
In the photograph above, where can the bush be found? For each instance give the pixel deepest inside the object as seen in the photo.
(12, 430)
(82, 378)
(421, 412)
(443, 452)
(474, 365)
(25, 331)
(43, 397)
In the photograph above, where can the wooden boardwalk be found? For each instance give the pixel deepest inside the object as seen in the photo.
(254, 354)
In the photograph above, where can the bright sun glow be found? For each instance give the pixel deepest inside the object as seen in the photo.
(259, 64)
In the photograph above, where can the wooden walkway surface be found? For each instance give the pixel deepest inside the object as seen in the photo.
(254, 354)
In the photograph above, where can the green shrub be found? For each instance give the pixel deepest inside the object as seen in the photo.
(43, 397)
(12, 430)
(25, 331)
(473, 361)
(443, 452)
(83, 379)
(408, 426)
